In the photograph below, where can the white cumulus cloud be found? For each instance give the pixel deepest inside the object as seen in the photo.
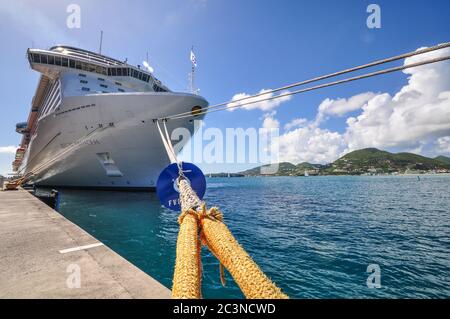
(270, 122)
(418, 114)
(416, 118)
(8, 149)
(310, 144)
(262, 105)
(341, 106)
(443, 145)
(298, 122)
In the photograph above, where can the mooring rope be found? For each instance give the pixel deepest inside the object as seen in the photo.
(167, 146)
(195, 220)
(187, 275)
(210, 109)
(22, 179)
(221, 242)
(199, 225)
(359, 77)
(75, 144)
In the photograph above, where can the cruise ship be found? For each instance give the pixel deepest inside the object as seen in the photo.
(92, 122)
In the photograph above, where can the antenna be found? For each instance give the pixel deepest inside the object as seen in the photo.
(147, 65)
(101, 41)
(192, 73)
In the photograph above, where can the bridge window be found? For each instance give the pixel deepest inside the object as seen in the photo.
(100, 70)
(157, 88)
(83, 81)
(85, 89)
(89, 67)
(36, 58)
(103, 85)
(121, 90)
(82, 75)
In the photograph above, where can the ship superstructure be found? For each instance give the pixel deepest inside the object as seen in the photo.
(91, 121)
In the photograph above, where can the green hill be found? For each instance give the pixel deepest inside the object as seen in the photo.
(372, 160)
(308, 166)
(284, 169)
(364, 161)
(443, 159)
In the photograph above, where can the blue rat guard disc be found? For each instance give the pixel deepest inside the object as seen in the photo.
(166, 186)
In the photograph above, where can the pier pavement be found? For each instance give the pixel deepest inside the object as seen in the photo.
(44, 255)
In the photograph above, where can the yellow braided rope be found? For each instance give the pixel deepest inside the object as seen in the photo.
(216, 235)
(187, 275)
(249, 277)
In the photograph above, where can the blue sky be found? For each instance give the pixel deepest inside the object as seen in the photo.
(243, 47)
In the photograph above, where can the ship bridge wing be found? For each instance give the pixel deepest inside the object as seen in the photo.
(51, 63)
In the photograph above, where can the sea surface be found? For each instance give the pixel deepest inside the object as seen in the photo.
(314, 236)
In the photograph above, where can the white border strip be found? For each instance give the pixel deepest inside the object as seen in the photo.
(69, 250)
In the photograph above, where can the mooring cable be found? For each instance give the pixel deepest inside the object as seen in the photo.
(316, 79)
(359, 77)
(60, 154)
(236, 104)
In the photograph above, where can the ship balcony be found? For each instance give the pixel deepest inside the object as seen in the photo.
(20, 153)
(22, 128)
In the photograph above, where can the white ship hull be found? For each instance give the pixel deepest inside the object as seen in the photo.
(106, 140)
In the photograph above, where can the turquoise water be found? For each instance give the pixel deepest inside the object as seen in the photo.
(313, 236)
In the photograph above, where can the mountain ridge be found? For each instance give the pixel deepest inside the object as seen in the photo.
(443, 159)
(367, 161)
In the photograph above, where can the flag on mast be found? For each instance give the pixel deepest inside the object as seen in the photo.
(193, 58)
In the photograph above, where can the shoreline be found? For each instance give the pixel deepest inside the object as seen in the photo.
(356, 175)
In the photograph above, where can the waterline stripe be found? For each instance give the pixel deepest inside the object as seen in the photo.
(69, 250)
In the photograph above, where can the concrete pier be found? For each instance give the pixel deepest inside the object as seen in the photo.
(44, 255)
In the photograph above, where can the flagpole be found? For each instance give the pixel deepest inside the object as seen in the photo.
(192, 73)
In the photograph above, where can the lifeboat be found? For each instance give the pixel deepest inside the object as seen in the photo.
(16, 165)
(20, 152)
(22, 127)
